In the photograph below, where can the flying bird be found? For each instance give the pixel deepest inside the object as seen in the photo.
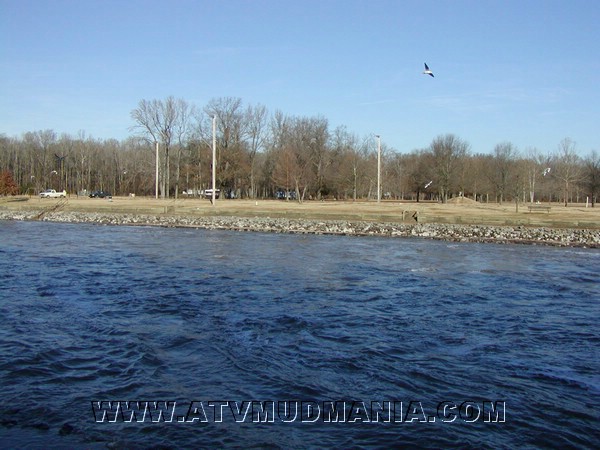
(427, 71)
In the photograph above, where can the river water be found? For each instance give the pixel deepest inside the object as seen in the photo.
(293, 341)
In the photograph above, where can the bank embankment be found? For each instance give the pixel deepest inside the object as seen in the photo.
(567, 237)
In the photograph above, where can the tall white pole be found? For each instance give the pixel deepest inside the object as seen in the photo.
(378, 168)
(214, 157)
(156, 182)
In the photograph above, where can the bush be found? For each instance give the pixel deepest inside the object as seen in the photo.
(7, 184)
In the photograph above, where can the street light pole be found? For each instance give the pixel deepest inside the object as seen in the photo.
(378, 168)
(156, 181)
(214, 157)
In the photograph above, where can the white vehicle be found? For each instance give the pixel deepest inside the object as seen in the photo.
(51, 193)
(208, 193)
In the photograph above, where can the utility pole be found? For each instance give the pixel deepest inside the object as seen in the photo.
(378, 168)
(214, 157)
(156, 181)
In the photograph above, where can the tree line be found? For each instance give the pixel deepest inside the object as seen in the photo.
(261, 154)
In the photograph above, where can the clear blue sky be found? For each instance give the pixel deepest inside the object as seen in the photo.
(526, 71)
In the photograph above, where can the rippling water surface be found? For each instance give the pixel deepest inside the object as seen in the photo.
(92, 313)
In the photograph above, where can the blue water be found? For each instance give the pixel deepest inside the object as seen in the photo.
(98, 313)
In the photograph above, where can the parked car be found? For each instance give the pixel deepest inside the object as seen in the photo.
(51, 193)
(100, 194)
(208, 193)
(285, 195)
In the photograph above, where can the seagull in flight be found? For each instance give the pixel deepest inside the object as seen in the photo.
(427, 71)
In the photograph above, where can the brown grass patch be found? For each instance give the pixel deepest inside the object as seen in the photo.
(464, 211)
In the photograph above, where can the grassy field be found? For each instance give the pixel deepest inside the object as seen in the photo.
(458, 211)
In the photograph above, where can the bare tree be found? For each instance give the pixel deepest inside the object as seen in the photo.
(182, 131)
(256, 119)
(231, 131)
(285, 170)
(517, 179)
(257, 154)
(292, 139)
(504, 157)
(158, 121)
(347, 155)
(591, 180)
(568, 168)
(448, 153)
(40, 144)
(273, 171)
(536, 165)
(316, 136)
(420, 171)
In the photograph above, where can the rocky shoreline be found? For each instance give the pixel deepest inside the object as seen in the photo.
(564, 237)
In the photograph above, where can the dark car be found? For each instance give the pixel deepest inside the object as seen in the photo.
(100, 194)
(285, 195)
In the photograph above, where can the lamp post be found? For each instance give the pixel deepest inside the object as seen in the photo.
(156, 183)
(378, 168)
(214, 157)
